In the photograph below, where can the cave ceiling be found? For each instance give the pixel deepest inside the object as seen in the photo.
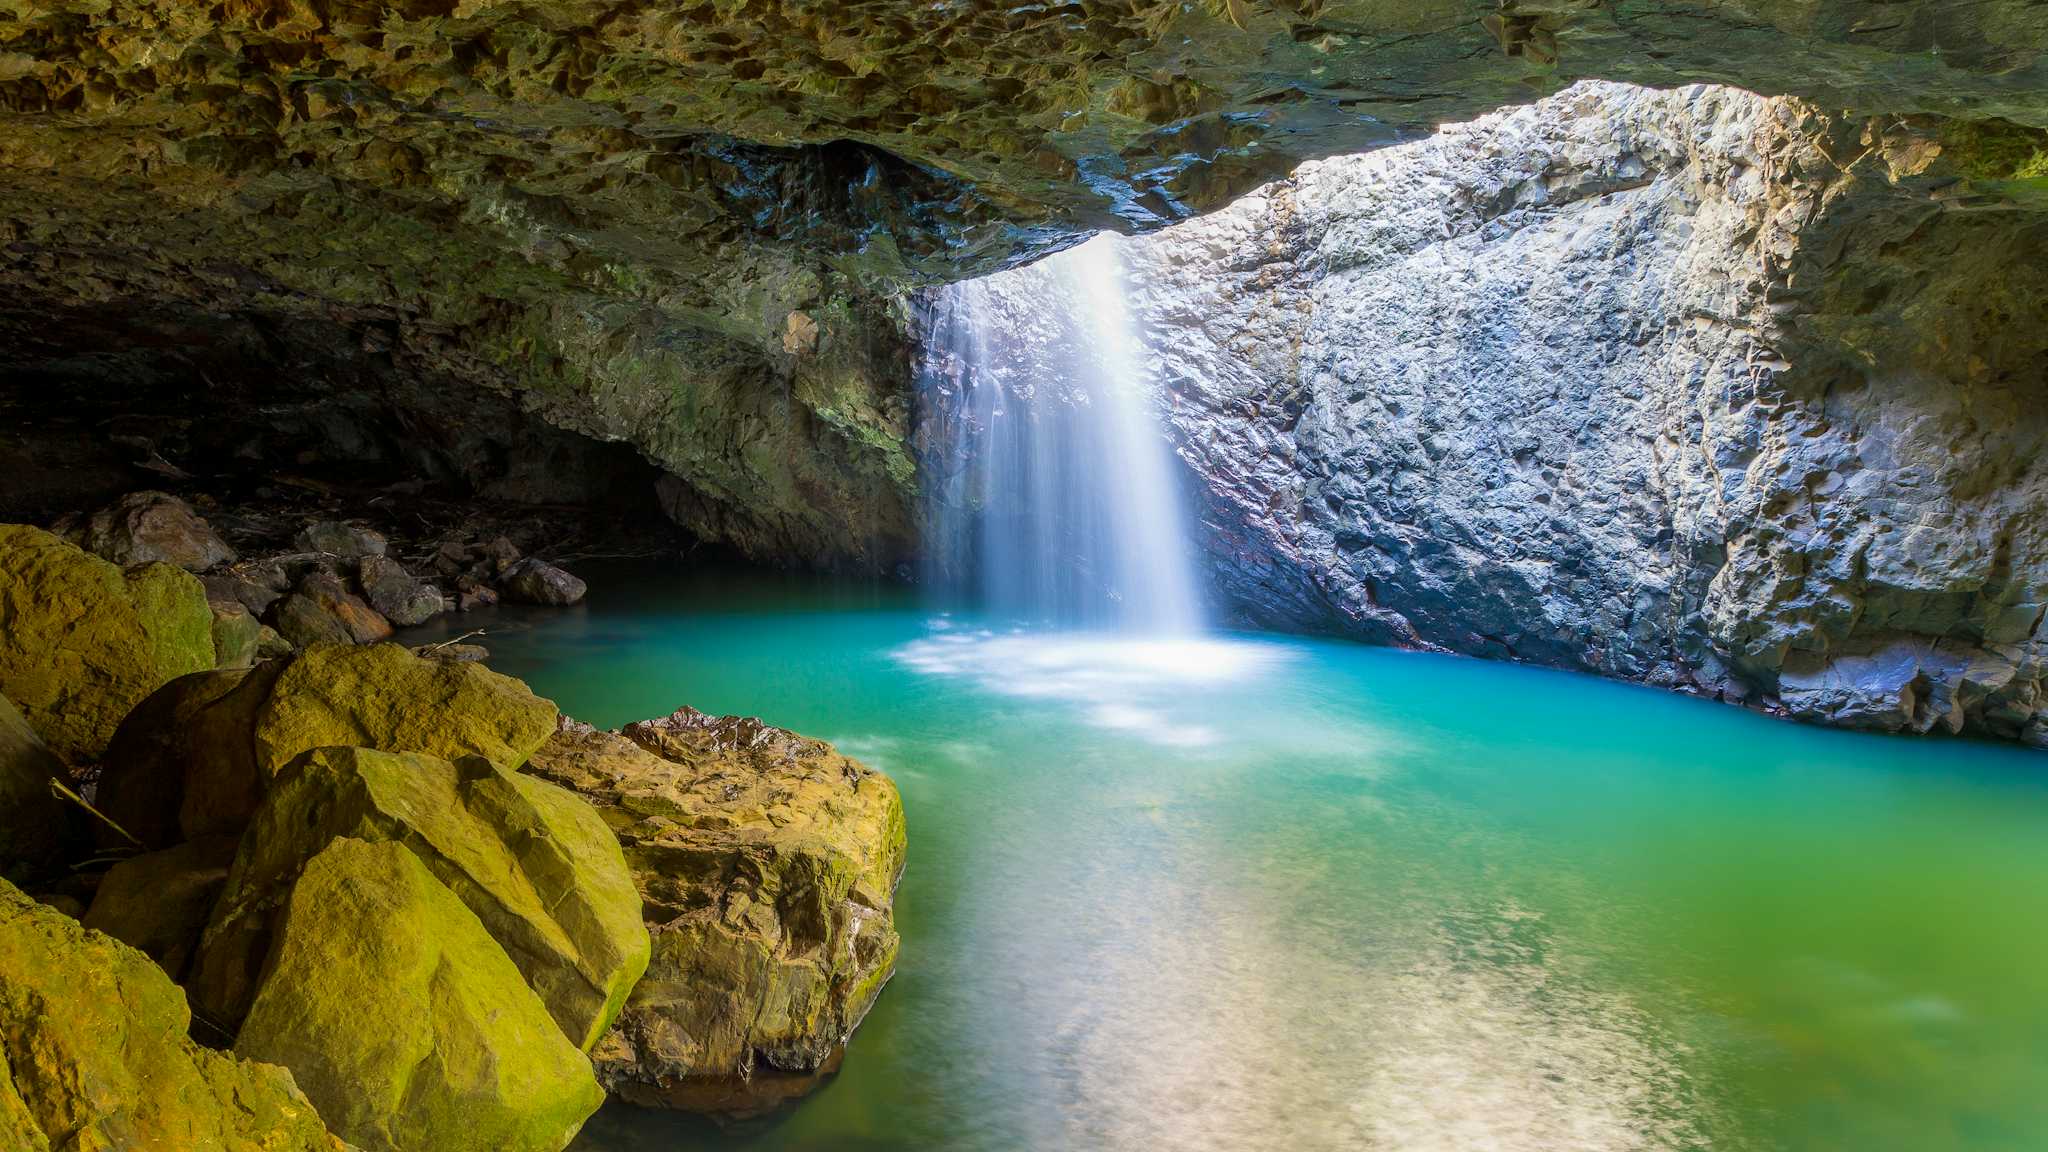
(638, 216)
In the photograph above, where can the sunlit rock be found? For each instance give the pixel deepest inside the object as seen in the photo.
(768, 866)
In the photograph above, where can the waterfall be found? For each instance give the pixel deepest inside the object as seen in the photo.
(1050, 484)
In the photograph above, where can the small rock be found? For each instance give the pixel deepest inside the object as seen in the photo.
(498, 555)
(472, 594)
(153, 527)
(453, 653)
(539, 582)
(254, 586)
(392, 591)
(338, 539)
(270, 644)
(323, 611)
(237, 635)
(452, 558)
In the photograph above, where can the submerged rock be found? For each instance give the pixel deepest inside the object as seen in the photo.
(82, 642)
(539, 582)
(402, 1019)
(33, 821)
(94, 1054)
(534, 862)
(207, 747)
(768, 864)
(152, 527)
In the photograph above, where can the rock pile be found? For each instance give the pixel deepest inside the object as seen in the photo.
(408, 941)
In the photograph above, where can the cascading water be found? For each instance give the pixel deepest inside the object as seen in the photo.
(1053, 497)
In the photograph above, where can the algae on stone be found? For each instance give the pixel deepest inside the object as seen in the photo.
(82, 642)
(208, 748)
(403, 1020)
(94, 1054)
(768, 864)
(533, 862)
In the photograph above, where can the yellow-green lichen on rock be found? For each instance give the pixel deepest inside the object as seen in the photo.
(94, 1054)
(768, 864)
(82, 642)
(405, 1022)
(534, 863)
(208, 748)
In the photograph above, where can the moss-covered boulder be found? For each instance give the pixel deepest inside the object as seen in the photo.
(768, 863)
(94, 1054)
(207, 747)
(405, 1022)
(158, 902)
(82, 642)
(534, 862)
(32, 819)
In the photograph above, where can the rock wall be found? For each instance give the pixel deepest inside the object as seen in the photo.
(1693, 388)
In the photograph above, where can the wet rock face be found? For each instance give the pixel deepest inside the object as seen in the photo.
(679, 229)
(1696, 388)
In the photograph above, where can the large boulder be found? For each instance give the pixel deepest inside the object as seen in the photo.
(149, 528)
(32, 819)
(767, 863)
(158, 902)
(82, 642)
(404, 1021)
(207, 747)
(534, 862)
(94, 1054)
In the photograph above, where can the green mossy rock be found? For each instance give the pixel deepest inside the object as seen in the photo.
(405, 1022)
(82, 642)
(158, 902)
(94, 1054)
(768, 864)
(32, 820)
(208, 748)
(536, 865)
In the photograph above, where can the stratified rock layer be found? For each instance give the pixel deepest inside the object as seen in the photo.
(1694, 388)
(94, 1054)
(82, 642)
(768, 865)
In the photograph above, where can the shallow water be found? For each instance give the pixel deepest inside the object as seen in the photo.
(1269, 893)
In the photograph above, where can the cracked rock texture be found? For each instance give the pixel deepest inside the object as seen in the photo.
(1693, 388)
(481, 241)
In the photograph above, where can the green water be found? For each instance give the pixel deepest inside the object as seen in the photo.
(1269, 893)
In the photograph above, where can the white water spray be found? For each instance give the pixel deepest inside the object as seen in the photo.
(1054, 495)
